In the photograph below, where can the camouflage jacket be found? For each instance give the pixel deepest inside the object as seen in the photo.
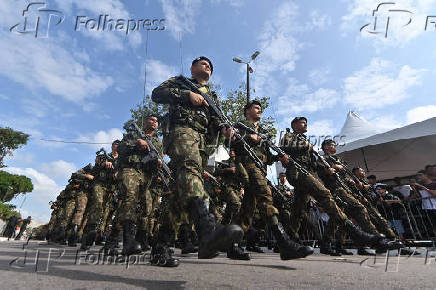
(130, 155)
(327, 179)
(299, 150)
(183, 113)
(78, 177)
(103, 174)
(261, 149)
(234, 180)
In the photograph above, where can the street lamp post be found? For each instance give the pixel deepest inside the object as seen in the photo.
(249, 70)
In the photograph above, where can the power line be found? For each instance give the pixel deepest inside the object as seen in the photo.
(73, 142)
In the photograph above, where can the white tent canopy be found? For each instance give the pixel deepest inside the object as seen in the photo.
(399, 152)
(356, 127)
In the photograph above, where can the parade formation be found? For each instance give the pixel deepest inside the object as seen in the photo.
(153, 193)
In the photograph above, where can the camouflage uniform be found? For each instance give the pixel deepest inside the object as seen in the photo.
(352, 207)
(257, 193)
(134, 178)
(306, 185)
(230, 193)
(191, 130)
(298, 147)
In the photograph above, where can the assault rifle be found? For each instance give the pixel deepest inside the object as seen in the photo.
(153, 154)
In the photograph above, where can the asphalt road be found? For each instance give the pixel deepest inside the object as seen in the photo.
(42, 266)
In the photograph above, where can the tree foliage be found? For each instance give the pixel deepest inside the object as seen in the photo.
(7, 210)
(10, 140)
(233, 106)
(146, 108)
(12, 184)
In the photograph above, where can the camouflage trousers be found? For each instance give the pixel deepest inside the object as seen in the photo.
(81, 202)
(258, 195)
(188, 157)
(304, 187)
(53, 220)
(369, 222)
(148, 203)
(230, 196)
(96, 204)
(66, 213)
(133, 188)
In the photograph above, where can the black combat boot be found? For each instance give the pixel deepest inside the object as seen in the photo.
(340, 249)
(212, 236)
(161, 254)
(88, 239)
(141, 237)
(72, 239)
(58, 235)
(235, 252)
(362, 238)
(112, 243)
(99, 239)
(326, 248)
(252, 236)
(288, 248)
(186, 241)
(130, 245)
(365, 251)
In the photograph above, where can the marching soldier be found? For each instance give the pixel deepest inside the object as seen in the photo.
(298, 147)
(192, 126)
(257, 194)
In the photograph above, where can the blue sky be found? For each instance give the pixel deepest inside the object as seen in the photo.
(314, 61)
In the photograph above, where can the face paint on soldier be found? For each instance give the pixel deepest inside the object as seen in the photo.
(201, 71)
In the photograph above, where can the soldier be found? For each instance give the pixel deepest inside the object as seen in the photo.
(112, 186)
(81, 201)
(192, 126)
(351, 206)
(283, 202)
(257, 194)
(135, 178)
(230, 178)
(305, 184)
(23, 227)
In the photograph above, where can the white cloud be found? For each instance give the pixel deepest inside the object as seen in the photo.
(48, 65)
(321, 128)
(422, 113)
(279, 48)
(360, 13)
(380, 84)
(44, 190)
(318, 21)
(232, 3)
(300, 98)
(180, 15)
(58, 170)
(103, 138)
(158, 72)
(319, 76)
(385, 123)
(111, 40)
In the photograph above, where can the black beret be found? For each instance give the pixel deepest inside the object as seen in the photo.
(203, 58)
(328, 142)
(249, 104)
(296, 119)
(116, 142)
